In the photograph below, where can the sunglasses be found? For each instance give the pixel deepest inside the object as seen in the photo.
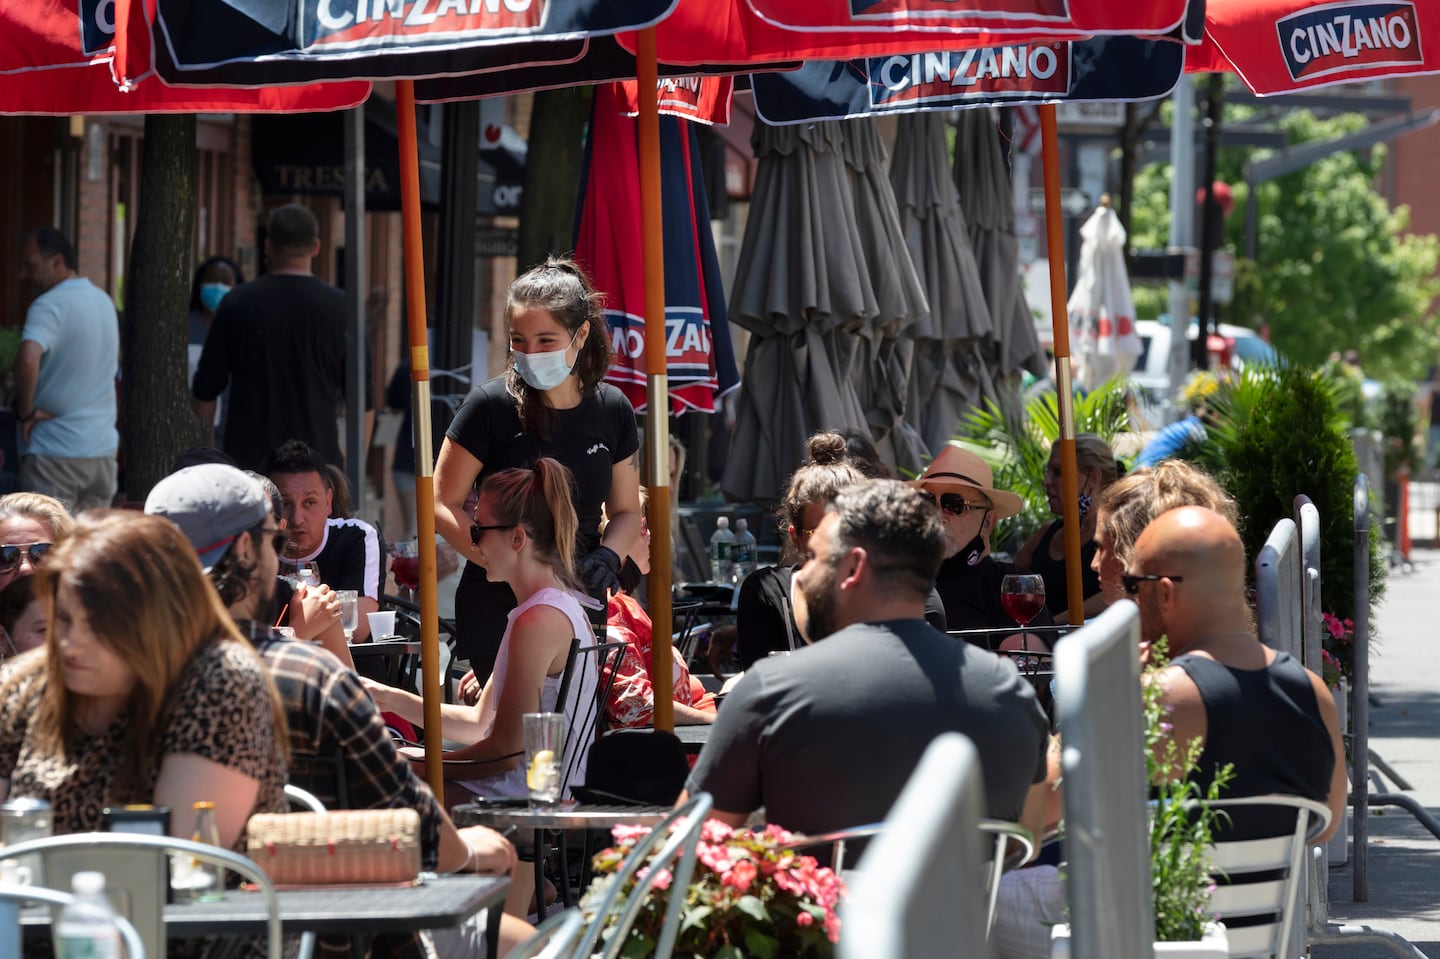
(477, 531)
(10, 554)
(955, 504)
(1132, 581)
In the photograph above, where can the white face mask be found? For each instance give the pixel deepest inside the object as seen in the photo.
(547, 370)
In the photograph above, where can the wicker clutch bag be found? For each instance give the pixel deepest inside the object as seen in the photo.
(349, 846)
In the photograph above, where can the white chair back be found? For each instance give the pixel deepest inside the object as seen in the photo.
(1102, 727)
(136, 875)
(13, 897)
(1011, 845)
(1307, 518)
(303, 800)
(1260, 896)
(918, 892)
(1278, 602)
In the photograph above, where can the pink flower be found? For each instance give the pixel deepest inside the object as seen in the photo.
(741, 876)
(662, 878)
(715, 831)
(627, 833)
(804, 920)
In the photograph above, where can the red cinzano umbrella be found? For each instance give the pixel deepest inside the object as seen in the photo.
(1280, 46)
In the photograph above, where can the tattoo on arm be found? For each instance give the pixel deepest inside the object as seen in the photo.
(635, 461)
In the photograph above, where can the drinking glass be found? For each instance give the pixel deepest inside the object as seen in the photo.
(1023, 596)
(349, 612)
(544, 744)
(308, 573)
(406, 567)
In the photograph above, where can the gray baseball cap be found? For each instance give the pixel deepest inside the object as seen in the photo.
(212, 504)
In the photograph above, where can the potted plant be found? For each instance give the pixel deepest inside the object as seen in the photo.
(749, 896)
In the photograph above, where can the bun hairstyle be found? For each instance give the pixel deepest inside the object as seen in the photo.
(828, 471)
(1094, 455)
(1132, 503)
(541, 501)
(561, 288)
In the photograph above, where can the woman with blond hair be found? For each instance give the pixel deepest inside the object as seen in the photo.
(524, 536)
(1132, 503)
(1044, 552)
(145, 691)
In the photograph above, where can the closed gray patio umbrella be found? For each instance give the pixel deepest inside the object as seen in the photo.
(801, 287)
(948, 373)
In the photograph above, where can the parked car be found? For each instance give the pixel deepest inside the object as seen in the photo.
(1233, 346)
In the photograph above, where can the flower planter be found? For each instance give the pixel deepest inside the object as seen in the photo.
(1214, 944)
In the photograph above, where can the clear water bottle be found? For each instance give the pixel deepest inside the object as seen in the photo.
(191, 879)
(743, 553)
(86, 928)
(721, 543)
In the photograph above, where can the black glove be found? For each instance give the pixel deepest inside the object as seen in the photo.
(599, 571)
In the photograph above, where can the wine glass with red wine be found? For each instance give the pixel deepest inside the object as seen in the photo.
(1023, 596)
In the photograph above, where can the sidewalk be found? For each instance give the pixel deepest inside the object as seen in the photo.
(1404, 858)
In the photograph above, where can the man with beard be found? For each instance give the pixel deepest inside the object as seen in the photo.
(826, 737)
(227, 517)
(960, 487)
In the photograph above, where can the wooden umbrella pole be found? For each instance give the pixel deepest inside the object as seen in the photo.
(420, 409)
(657, 384)
(1064, 391)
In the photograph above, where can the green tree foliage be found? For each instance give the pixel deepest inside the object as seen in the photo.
(1333, 269)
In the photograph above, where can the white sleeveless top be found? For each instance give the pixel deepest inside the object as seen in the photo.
(580, 700)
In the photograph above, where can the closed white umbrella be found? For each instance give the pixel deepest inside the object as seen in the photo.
(1102, 313)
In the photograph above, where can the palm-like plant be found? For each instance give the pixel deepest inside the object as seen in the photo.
(1019, 453)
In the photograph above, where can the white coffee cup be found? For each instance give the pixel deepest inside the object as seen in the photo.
(381, 624)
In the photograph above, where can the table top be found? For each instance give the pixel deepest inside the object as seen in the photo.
(563, 816)
(437, 902)
(386, 647)
(697, 734)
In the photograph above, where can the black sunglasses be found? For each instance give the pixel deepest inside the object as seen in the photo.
(954, 503)
(1132, 581)
(477, 531)
(10, 554)
(279, 537)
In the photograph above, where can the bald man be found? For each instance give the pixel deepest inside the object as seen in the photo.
(1251, 706)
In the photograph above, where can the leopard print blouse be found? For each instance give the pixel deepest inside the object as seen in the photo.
(220, 711)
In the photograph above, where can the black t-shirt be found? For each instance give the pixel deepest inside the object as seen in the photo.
(278, 343)
(1052, 571)
(349, 557)
(971, 595)
(588, 439)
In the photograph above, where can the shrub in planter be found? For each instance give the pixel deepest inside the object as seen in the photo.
(1278, 433)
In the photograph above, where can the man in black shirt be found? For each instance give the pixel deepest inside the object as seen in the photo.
(961, 486)
(278, 343)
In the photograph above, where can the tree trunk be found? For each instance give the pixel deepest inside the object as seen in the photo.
(158, 422)
(553, 168)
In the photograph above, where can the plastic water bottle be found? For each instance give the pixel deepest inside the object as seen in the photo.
(86, 928)
(743, 553)
(721, 543)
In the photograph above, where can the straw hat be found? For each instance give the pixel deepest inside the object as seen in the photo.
(958, 469)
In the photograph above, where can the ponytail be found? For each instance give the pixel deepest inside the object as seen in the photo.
(541, 501)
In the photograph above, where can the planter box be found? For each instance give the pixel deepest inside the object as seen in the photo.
(1214, 945)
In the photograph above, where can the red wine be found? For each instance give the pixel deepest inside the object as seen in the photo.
(407, 571)
(1022, 607)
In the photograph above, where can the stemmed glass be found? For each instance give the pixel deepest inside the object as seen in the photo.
(1023, 596)
(406, 567)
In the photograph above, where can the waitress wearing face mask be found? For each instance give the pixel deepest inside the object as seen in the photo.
(1044, 552)
(552, 401)
(214, 278)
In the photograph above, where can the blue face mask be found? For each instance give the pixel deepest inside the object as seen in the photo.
(544, 371)
(211, 294)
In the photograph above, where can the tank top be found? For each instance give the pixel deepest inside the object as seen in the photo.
(579, 699)
(1267, 724)
(1052, 571)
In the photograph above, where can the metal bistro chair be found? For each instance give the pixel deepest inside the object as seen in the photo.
(13, 897)
(407, 623)
(676, 838)
(1260, 892)
(917, 890)
(556, 936)
(1011, 846)
(139, 892)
